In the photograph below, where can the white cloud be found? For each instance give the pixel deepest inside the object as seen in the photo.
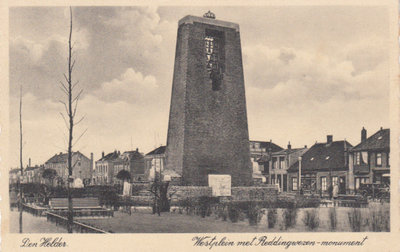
(131, 86)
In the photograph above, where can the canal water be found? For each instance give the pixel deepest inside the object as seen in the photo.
(33, 224)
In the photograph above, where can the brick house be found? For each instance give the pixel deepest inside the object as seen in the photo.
(323, 165)
(280, 162)
(136, 164)
(33, 174)
(14, 175)
(82, 166)
(370, 160)
(104, 168)
(259, 155)
(154, 162)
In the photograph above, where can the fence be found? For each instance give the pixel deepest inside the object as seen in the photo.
(35, 210)
(77, 226)
(85, 212)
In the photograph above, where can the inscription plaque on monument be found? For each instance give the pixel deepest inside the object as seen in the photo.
(220, 184)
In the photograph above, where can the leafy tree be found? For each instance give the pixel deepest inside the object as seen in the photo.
(124, 175)
(49, 174)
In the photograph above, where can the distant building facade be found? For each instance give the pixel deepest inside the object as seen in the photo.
(82, 166)
(279, 164)
(322, 166)
(104, 168)
(370, 160)
(260, 152)
(154, 163)
(14, 175)
(33, 174)
(135, 162)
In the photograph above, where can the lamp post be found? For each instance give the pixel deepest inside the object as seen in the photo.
(299, 174)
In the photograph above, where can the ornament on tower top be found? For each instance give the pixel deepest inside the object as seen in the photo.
(209, 14)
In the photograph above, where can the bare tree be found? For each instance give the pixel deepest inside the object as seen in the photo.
(20, 160)
(70, 106)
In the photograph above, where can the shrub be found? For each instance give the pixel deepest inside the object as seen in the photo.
(233, 213)
(253, 213)
(303, 202)
(290, 215)
(311, 219)
(332, 218)
(203, 205)
(223, 214)
(380, 219)
(355, 219)
(271, 217)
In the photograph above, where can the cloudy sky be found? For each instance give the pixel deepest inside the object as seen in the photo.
(309, 72)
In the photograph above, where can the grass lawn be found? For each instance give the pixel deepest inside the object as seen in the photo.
(183, 223)
(168, 223)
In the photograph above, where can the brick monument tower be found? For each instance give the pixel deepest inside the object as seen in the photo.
(207, 131)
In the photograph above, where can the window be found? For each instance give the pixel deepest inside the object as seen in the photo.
(359, 181)
(360, 158)
(294, 184)
(274, 163)
(273, 179)
(378, 159)
(335, 180)
(282, 162)
(388, 159)
(357, 158)
(323, 184)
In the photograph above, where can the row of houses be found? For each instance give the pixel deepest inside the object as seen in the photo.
(326, 164)
(101, 172)
(315, 168)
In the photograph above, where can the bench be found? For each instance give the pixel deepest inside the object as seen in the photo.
(77, 203)
(82, 207)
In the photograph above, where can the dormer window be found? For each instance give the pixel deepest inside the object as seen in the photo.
(327, 157)
(312, 159)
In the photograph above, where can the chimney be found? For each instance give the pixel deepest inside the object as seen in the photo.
(119, 153)
(381, 128)
(137, 149)
(102, 154)
(91, 156)
(363, 134)
(305, 146)
(329, 139)
(29, 162)
(289, 146)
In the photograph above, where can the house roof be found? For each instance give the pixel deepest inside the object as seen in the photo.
(159, 150)
(323, 156)
(112, 156)
(30, 168)
(378, 141)
(268, 145)
(264, 158)
(15, 170)
(171, 173)
(287, 151)
(267, 157)
(132, 155)
(62, 157)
